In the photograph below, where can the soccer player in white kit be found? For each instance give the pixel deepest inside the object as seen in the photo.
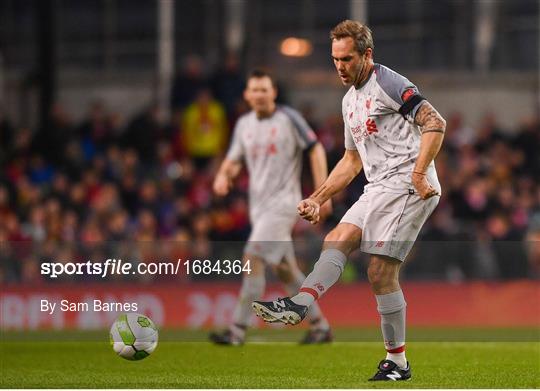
(271, 139)
(393, 133)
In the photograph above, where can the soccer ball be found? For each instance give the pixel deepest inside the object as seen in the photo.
(133, 336)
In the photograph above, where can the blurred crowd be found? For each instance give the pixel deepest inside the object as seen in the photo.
(141, 188)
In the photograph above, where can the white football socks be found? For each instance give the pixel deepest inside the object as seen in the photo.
(252, 289)
(398, 358)
(392, 307)
(326, 272)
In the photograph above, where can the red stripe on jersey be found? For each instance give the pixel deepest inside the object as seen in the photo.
(401, 349)
(312, 292)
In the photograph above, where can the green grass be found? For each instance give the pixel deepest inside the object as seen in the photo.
(283, 333)
(91, 364)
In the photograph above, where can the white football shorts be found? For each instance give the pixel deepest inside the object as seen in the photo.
(271, 238)
(390, 222)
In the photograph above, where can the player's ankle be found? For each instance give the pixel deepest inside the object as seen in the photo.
(319, 323)
(303, 298)
(398, 358)
(238, 330)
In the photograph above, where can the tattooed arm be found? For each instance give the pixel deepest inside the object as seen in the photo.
(432, 125)
(343, 173)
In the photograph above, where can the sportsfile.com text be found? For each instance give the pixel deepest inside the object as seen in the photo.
(119, 267)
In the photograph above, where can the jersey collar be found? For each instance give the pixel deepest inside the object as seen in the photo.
(367, 79)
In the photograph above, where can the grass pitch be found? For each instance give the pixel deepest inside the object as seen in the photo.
(91, 364)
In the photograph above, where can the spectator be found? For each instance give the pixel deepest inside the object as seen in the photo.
(204, 129)
(143, 188)
(142, 134)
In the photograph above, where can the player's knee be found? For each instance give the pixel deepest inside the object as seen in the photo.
(376, 277)
(383, 274)
(257, 266)
(332, 236)
(344, 233)
(343, 237)
(338, 234)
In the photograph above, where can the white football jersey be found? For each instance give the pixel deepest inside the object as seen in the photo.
(272, 149)
(388, 142)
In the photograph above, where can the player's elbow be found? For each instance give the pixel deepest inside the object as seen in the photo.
(443, 123)
(357, 167)
(438, 122)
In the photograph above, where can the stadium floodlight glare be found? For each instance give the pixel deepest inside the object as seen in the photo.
(296, 47)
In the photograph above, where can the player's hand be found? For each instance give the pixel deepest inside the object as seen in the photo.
(221, 186)
(422, 186)
(309, 210)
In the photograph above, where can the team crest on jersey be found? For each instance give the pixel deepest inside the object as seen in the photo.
(271, 149)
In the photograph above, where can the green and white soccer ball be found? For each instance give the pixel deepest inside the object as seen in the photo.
(134, 336)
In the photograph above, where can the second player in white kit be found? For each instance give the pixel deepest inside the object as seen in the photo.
(270, 140)
(272, 149)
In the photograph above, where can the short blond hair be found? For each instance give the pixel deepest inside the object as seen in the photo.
(360, 33)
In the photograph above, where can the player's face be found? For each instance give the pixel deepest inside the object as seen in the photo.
(348, 62)
(260, 95)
